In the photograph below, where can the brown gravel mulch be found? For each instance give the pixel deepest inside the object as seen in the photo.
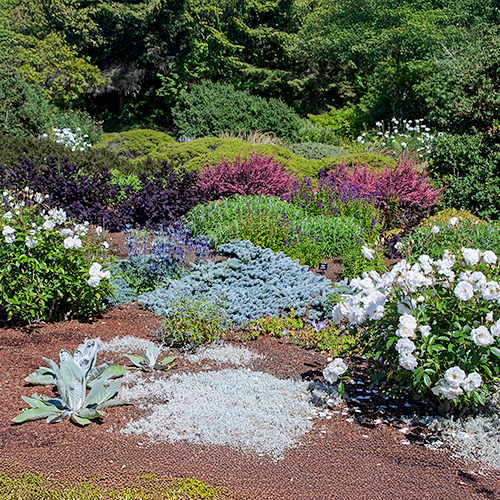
(346, 455)
(338, 459)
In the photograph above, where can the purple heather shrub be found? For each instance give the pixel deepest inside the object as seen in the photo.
(253, 175)
(405, 193)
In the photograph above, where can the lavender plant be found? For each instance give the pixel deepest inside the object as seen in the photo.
(272, 223)
(334, 200)
(156, 256)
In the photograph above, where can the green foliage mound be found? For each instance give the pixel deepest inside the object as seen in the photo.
(141, 147)
(469, 167)
(316, 150)
(13, 150)
(23, 109)
(373, 160)
(210, 149)
(210, 108)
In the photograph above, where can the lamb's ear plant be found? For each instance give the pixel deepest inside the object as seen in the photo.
(149, 361)
(72, 402)
(85, 357)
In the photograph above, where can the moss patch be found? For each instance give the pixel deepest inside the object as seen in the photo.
(37, 487)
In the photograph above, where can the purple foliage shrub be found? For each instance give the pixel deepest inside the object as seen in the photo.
(253, 175)
(164, 198)
(405, 193)
(92, 198)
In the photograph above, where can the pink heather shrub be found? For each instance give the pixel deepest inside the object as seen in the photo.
(252, 175)
(405, 193)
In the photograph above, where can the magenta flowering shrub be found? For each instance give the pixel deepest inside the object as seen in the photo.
(405, 193)
(253, 175)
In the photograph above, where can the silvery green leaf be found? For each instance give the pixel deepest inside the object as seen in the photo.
(76, 394)
(136, 360)
(61, 387)
(151, 354)
(55, 418)
(99, 395)
(98, 391)
(116, 371)
(96, 371)
(112, 402)
(80, 421)
(43, 376)
(85, 355)
(90, 413)
(35, 402)
(34, 414)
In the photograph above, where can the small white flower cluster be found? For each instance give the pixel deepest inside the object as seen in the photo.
(375, 290)
(402, 133)
(334, 370)
(74, 141)
(455, 381)
(97, 274)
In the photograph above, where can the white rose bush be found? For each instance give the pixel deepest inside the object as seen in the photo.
(51, 268)
(431, 327)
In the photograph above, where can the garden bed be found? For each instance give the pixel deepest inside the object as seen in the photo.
(339, 457)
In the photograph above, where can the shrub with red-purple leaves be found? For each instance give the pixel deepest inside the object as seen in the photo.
(253, 175)
(405, 192)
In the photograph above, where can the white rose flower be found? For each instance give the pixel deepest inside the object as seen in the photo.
(105, 244)
(95, 269)
(405, 346)
(481, 336)
(408, 321)
(453, 221)
(66, 232)
(471, 256)
(399, 246)
(408, 361)
(495, 329)
(367, 252)
(489, 317)
(489, 257)
(31, 242)
(435, 229)
(98, 230)
(464, 291)
(49, 225)
(8, 231)
(8, 215)
(94, 281)
(452, 391)
(491, 290)
(472, 382)
(454, 376)
(333, 371)
(425, 330)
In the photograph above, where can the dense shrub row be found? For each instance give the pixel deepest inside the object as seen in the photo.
(161, 199)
